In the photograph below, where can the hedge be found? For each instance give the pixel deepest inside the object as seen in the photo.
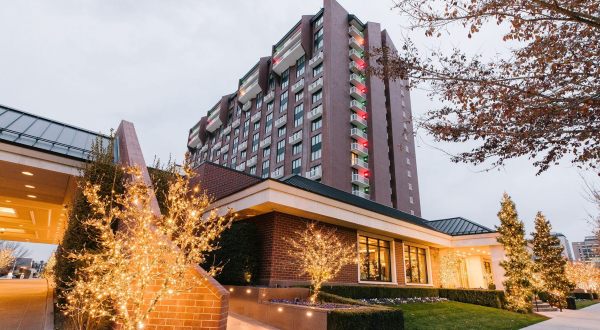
(583, 295)
(490, 298)
(359, 319)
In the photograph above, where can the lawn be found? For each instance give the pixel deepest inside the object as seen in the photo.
(585, 303)
(455, 315)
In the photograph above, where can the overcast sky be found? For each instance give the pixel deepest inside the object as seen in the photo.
(93, 63)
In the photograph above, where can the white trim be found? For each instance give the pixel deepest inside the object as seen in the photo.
(427, 260)
(391, 240)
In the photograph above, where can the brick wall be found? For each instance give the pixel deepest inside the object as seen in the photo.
(219, 181)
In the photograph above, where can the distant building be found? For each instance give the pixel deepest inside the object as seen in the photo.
(588, 250)
(564, 242)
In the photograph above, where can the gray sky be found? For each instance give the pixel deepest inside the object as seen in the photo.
(93, 63)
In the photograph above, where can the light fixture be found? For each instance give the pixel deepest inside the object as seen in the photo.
(309, 314)
(248, 291)
(8, 201)
(27, 173)
(32, 196)
(8, 212)
(29, 186)
(280, 309)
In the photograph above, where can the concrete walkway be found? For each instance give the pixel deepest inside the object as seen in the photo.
(25, 305)
(587, 318)
(240, 322)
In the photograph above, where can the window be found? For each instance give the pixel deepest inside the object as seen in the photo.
(298, 115)
(317, 96)
(315, 125)
(285, 79)
(256, 126)
(243, 154)
(266, 153)
(259, 100)
(375, 260)
(410, 186)
(299, 96)
(280, 151)
(317, 70)
(318, 38)
(415, 264)
(270, 106)
(246, 126)
(297, 166)
(253, 170)
(233, 162)
(407, 161)
(297, 148)
(235, 143)
(411, 200)
(225, 158)
(300, 66)
(271, 82)
(409, 174)
(283, 101)
(315, 147)
(412, 212)
(265, 169)
(406, 149)
(227, 138)
(255, 142)
(236, 131)
(318, 22)
(281, 131)
(269, 123)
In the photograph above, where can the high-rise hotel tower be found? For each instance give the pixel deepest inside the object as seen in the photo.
(310, 109)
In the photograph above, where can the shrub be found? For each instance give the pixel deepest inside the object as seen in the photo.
(477, 297)
(583, 295)
(332, 298)
(372, 318)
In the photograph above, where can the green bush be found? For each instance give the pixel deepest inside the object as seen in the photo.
(238, 254)
(359, 319)
(332, 298)
(490, 298)
(583, 295)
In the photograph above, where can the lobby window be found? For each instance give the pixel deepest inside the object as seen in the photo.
(318, 38)
(280, 151)
(285, 79)
(375, 259)
(269, 123)
(415, 264)
(297, 148)
(297, 166)
(255, 142)
(283, 101)
(315, 147)
(265, 169)
(300, 66)
(270, 106)
(316, 124)
(298, 115)
(317, 96)
(317, 70)
(299, 96)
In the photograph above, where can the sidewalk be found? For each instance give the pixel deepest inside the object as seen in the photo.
(240, 322)
(587, 318)
(23, 305)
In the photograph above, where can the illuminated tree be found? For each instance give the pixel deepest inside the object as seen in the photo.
(584, 275)
(48, 272)
(517, 264)
(321, 255)
(9, 252)
(549, 263)
(142, 258)
(450, 265)
(6, 258)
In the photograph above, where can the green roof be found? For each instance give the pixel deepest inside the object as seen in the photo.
(459, 226)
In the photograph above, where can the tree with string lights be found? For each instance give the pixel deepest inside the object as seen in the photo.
(549, 263)
(517, 264)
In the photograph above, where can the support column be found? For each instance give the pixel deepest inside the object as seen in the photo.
(497, 254)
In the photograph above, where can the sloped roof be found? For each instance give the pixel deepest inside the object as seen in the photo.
(31, 131)
(459, 226)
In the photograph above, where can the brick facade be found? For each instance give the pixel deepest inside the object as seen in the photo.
(219, 181)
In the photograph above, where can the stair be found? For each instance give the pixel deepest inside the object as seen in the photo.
(540, 306)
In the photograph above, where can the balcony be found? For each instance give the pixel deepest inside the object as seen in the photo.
(358, 106)
(356, 44)
(359, 149)
(286, 58)
(269, 97)
(314, 174)
(357, 80)
(225, 149)
(358, 120)
(355, 54)
(243, 145)
(278, 173)
(315, 85)
(251, 161)
(315, 113)
(361, 194)
(204, 148)
(216, 146)
(295, 137)
(360, 164)
(356, 33)
(235, 123)
(265, 142)
(249, 88)
(214, 121)
(356, 67)
(255, 117)
(281, 121)
(241, 167)
(358, 134)
(226, 130)
(247, 106)
(360, 180)
(316, 60)
(298, 85)
(358, 94)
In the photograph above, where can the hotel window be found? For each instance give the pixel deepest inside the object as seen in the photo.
(317, 70)
(375, 259)
(225, 158)
(315, 125)
(411, 200)
(265, 169)
(409, 174)
(283, 101)
(318, 38)
(266, 153)
(280, 151)
(243, 154)
(298, 115)
(300, 66)
(235, 143)
(297, 148)
(407, 161)
(406, 149)
(297, 166)
(246, 126)
(271, 82)
(316, 97)
(238, 111)
(318, 22)
(227, 138)
(299, 96)
(415, 264)
(270, 106)
(281, 131)
(410, 186)
(255, 142)
(233, 162)
(253, 170)
(256, 126)
(269, 123)
(236, 131)
(315, 147)
(285, 79)
(259, 100)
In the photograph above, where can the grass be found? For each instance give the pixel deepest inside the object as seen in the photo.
(585, 303)
(455, 315)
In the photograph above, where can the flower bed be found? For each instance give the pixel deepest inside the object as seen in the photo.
(398, 301)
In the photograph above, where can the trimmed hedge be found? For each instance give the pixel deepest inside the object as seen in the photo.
(332, 298)
(490, 298)
(372, 318)
(583, 295)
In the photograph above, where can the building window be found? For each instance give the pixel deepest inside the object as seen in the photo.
(280, 151)
(271, 82)
(266, 153)
(318, 38)
(265, 169)
(317, 96)
(269, 123)
(315, 125)
(270, 106)
(315, 147)
(281, 131)
(300, 66)
(411, 200)
(409, 174)
(255, 142)
(259, 100)
(298, 115)
(256, 126)
(297, 166)
(406, 149)
(246, 127)
(410, 186)
(243, 154)
(317, 70)
(253, 170)
(318, 22)
(299, 96)
(233, 162)
(283, 101)
(297, 148)
(225, 158)
(415, 264)
(375, 259)
(412, 212)
(285, 79)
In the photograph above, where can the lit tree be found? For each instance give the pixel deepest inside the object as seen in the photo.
(9, 252)
(6, 258)
(584, 275)
(147, 258)
(549, 263)
(48, 272)
(449, 269)
(321, 255)
(517, 265)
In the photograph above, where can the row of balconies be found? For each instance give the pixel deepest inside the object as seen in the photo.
(361, 194)
(315, 85)
(357, 120)
(360, 164)
(314, 174)
(252, 161)
(255, 117)
(281, 121)
(288, 54)
(277, 173)
(295, 137)
(241, 167)
(358, 94)
(316, 60)
(269, 97)
(358, 106)
(358, 134)
(357, 67)
(360, 180)
(298, 85)
(315, 112)
(359, 149)
(265, 142)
